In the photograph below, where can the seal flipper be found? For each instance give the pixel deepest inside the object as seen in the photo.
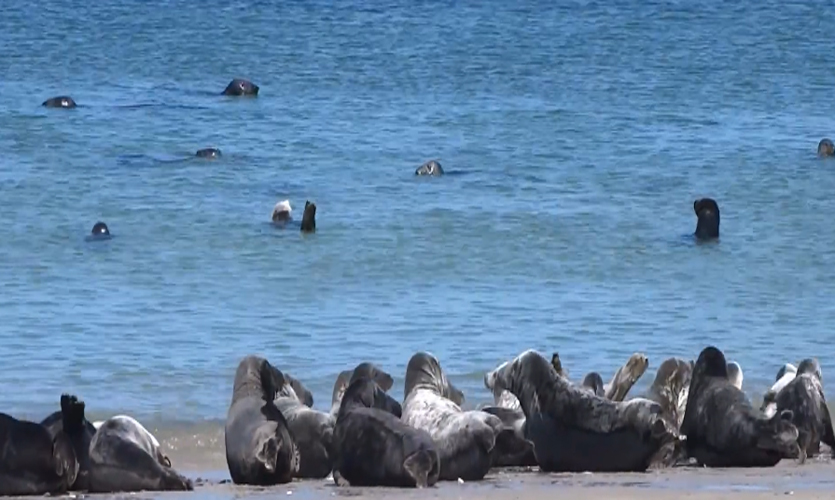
(268, 452)
(421, 466)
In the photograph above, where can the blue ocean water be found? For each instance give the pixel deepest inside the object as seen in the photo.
(577, 135)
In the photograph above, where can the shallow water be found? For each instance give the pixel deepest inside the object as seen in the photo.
(582, 133)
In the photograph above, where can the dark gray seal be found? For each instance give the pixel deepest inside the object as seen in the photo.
(723, 429)
(804, 397)
(826, 149)
(785, 374)
(62, 101)
(594, 383)
(573, 430)
(32, 461)
(302, 393)
(100, 231)
(125, 457)
(241, 87)
(512, 449)
(707, 212)
(259, 447)
(464, 439)
(374, 447)
(80, 433)
(208, 153)
(431, 168)
(309, 218)
(364, 369)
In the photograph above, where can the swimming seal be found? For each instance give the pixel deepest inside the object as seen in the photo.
(804, 397)
(32, 461)
(575, 431)
(375, 447)
(430, 168)
(100, 230)
(735, 374)
(281, 212)
(723, 429)
(80, 433)
(309, 218)
(59, 102)
(826, 148)
(464, 439)
(259, 447)
(707, 212)
(208, 153)
(241, 87)
(785, 374)
(125, 457)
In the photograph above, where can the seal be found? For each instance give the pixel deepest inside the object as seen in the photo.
(374, 447)
(431, 168)
(208, 153)
(723, 429)
(735, 374)
(464, 439)
(80, 433)
(281, 212)
(125, 457)
(785, 374)
(804, 397)
(707, 212)
(62, 101)
(309, 218)
(34, 462)
(259, 447)
(593, 382)
(364, 369)
(826, 148)
(301, 392)
(626, 376)
(241, 87)
(512, 450)
(100, 231)
(670, 389)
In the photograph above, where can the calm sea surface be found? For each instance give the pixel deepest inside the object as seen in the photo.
(576, 134)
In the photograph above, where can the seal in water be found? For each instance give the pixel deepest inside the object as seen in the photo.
(32, 461)
(309, 218)
(804, 397)
(374, 447)
(80, 433)
(707, 211)
(241, 87)
(430, 168)
(464, 439)
(59, 102)
(259, 448)
(575, 431)
(735, 374)
(208, 153)
(125, 457)
(100, 230)
(723, 429)
(785, 374)
(281, 212)
(826, 148)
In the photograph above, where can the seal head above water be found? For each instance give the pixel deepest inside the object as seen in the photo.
(826, 149)
(241, 87)
(707, 211)
(309, 218)
(431, 168)
(208, 153)
(59, 102)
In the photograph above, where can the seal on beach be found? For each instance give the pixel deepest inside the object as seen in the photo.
(707, 212)
(259, 447)
(626, 376)
(208, 153)
(826, 148)
(71, 421)
(464, 439)
(670, 389)
(431, 168)
(594, 383)
(62, 101)
(281, 212)
(374, 447)
(364, 369)
(303, 394)
(735, 374)
(785, 374)
(804, 397)
(241, 87)
(33, 461)
(309, 218)
(723, 429)
(125, 457)
(512, 450)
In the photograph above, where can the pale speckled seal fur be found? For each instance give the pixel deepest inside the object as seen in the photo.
(431, 168)
(785, 375)
(804, 397)
(626, 376)
(735, 374)
(670, 389)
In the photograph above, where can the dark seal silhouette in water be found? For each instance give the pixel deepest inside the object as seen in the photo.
(573, 430)
(365, 369)
(62, 101)
(71, 421)
(804, 397)
(208, 153)
(723, 429)
(125, 457)
(826, 149)
(32, 461)
(100, 231)
(241, 87)
(707, 212)
(259, 447)
(431, 168)
(309, 218)
(374, 447)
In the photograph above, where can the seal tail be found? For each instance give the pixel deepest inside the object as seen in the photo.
(72, 414)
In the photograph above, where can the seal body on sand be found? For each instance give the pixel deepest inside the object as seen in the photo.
(259, 447)
(309, 218)
(512, 450)
(735, 374)
(241, 87)
(71, 422)
(125, 457)
(575, 431)
(59, 102)
(723, 429)
(374, 447)
(208, 153)
(670, 389)
(826, 148)
(464, 439)
(282, 212)
(707, 212)
(804, 397)
(785, 375)
(430, 168)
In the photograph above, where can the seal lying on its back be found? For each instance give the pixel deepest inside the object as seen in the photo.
(374, 447)
(259, 448)
(464, 439)
(431, 168)
(59, 102)
(124, 456)
(785, 375)
(723, 429)
(826, 148)
(364, 369)
(241, 87)
(80, 433)
(707, 211)
(804, 397)
(575, 431)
